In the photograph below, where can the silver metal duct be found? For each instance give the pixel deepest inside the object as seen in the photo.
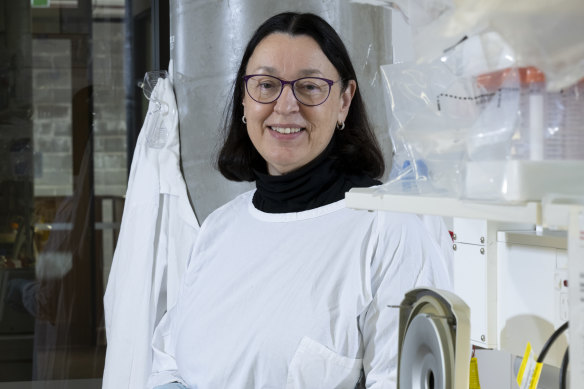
(207, 40)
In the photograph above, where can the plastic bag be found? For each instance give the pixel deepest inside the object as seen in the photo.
(543, 34)
(428, 148)
(461, 130)
(435, 114)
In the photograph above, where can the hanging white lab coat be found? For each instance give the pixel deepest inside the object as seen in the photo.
(157, 235)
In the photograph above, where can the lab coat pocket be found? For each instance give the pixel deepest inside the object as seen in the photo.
(314, 366)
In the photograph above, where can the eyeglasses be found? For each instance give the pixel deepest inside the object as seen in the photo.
(309, 91)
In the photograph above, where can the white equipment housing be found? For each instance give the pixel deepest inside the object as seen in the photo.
(434, 340)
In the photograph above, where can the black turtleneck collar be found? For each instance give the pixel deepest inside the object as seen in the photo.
(315, 184)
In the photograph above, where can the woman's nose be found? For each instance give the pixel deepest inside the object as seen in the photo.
(286, 103)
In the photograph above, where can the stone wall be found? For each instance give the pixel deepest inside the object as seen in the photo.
(109, 107)
(52, 105)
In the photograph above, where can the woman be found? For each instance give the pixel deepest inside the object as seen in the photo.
(286, 286)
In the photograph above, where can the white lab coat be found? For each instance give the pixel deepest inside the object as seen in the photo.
(305, 308)
(157, 235)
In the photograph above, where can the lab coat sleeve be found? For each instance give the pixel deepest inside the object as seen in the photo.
(406, 256)
(164, 368)
(443, 241)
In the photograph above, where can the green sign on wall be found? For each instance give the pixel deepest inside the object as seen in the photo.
(40, 3)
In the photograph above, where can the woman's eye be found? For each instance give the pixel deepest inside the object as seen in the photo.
(266, 84)
(309, 87)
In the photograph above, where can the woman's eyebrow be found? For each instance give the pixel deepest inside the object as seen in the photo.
(266, 69)
(310, 72)
(302, 73)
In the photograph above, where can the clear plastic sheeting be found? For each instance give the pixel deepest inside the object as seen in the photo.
(544, 34)
(460, 130)
(428, 129)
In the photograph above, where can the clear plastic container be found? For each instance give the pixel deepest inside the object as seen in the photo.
(515, 103)
(564, 135)
(527, 141)
(546, 125)
(532, 84)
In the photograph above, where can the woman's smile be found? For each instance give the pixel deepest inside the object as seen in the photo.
(286, 130)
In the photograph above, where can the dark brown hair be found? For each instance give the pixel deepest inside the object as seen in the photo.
(356, 149)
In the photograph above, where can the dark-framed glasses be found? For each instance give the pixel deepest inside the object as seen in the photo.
(309, 91)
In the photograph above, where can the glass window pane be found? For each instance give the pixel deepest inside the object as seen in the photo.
(66, 115)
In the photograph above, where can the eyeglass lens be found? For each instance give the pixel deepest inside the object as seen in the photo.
(308, 90)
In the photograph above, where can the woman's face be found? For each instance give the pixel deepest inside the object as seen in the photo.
(286, 133)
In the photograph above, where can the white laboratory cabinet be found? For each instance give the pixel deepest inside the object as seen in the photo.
(474, 278)
(532, 290)
(515, 280)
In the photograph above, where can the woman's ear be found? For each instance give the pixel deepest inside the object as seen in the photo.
(346, 98)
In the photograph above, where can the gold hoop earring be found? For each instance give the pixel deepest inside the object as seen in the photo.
(341, 126)
(243, 119)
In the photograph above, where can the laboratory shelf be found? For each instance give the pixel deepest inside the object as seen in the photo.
(377, 199)
(557, 239)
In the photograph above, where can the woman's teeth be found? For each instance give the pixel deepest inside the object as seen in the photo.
(286, 130)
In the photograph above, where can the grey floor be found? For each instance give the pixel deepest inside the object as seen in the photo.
(56, 384)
